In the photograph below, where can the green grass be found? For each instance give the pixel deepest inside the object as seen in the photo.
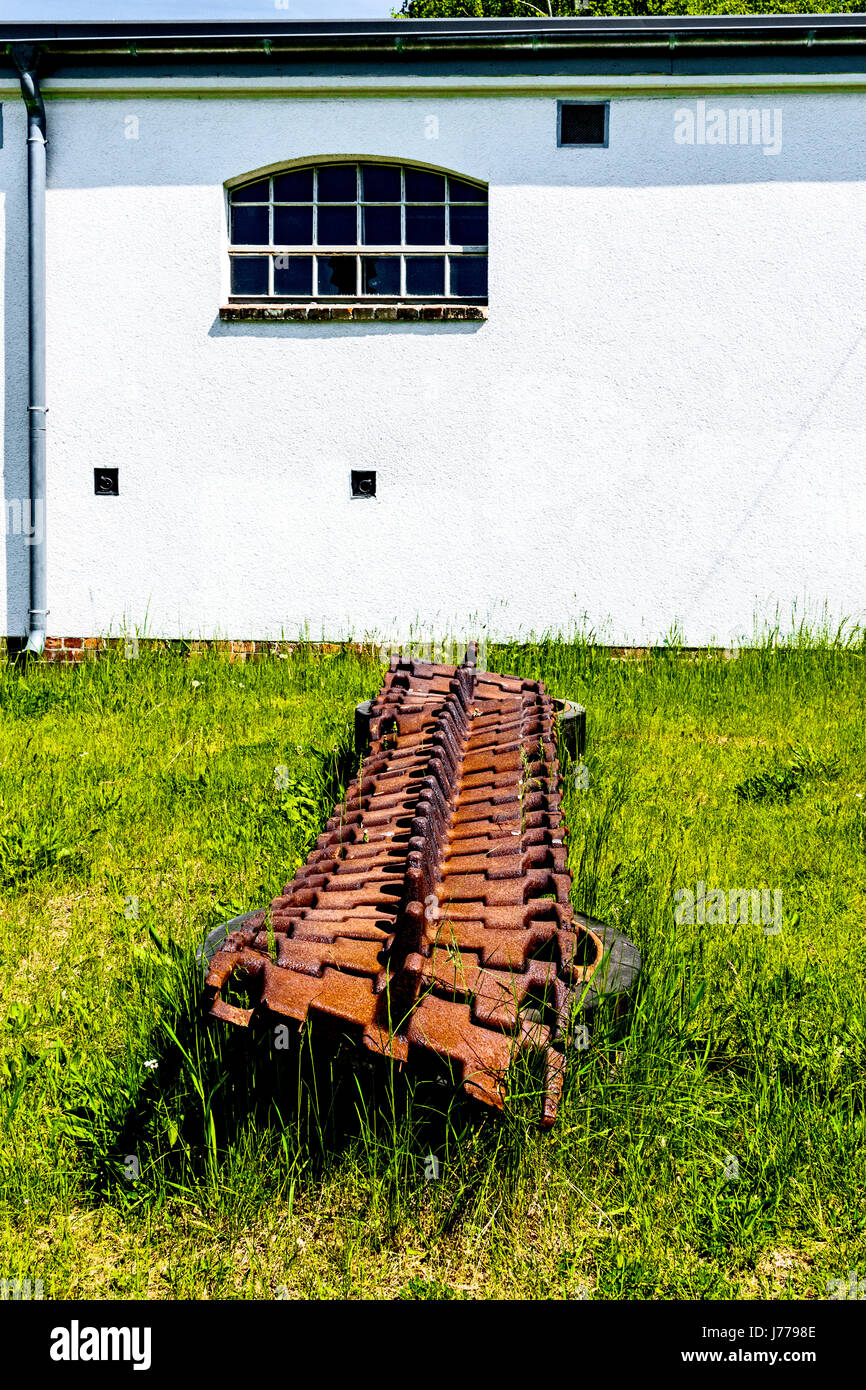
(143, 802)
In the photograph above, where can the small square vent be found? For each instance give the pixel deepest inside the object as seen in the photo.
(583, 122)
(105, 482)
(363, 483)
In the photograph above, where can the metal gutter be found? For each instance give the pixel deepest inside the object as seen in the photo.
(72, 49)
(26, 58)
(427, 35)
(330, 30)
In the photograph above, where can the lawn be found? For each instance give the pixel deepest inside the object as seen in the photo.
(712, 1148)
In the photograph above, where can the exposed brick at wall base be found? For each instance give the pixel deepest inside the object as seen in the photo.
(69, 650)
(72, 651)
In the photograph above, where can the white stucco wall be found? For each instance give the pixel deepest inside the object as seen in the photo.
(662, 420)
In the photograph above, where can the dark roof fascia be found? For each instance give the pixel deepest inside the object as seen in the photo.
(434, 32)
(728, 43)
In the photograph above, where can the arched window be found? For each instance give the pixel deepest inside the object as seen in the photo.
(359, 231)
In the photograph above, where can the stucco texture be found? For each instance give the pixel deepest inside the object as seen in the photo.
(662, 420)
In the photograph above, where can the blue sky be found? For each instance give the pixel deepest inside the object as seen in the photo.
(132, 10)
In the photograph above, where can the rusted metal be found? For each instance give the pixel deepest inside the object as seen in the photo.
(433, 913)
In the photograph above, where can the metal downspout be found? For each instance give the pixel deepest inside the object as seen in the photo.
(25, 58)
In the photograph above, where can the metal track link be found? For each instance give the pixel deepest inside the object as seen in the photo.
(433, 913)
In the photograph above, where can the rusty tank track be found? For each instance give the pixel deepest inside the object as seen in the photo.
(433, 913)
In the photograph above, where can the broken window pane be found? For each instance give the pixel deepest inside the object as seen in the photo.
(380, 275)
(337, 274)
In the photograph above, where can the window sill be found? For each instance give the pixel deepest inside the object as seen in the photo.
(352, 313)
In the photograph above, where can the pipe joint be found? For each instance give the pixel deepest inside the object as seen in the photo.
(26, 57)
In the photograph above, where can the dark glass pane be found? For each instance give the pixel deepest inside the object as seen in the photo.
(380, 275)
(250, 226)
(293, 226)
(469, 276)
(425, 226)
(337, 226)
(252, 193)
(337, 275)
(461, 192)
(468, 226)
(381, 226)
(293, 275)
(424, 188)
(296, 187)
(381, 182)
(249, 274)
(337, 183)
(425, 275)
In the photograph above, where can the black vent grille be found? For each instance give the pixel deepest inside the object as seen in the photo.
(583, 122)
(363, 482)
(105, 482)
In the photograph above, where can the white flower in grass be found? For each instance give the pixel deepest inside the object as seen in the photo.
(196, 684)
(152, 1063)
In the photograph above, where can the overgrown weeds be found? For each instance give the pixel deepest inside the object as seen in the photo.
(147, 1152)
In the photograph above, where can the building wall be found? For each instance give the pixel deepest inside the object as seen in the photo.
(662, 420)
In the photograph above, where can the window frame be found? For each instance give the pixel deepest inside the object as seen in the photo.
(445, 251)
